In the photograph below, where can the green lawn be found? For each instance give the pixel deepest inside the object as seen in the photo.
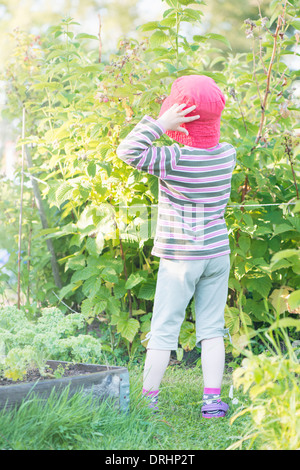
(77, 423)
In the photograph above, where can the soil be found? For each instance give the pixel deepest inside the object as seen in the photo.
(33, 375)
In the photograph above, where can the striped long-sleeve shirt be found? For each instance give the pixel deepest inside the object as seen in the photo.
(194, 189)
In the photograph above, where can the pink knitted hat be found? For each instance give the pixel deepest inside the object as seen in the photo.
(203, 92)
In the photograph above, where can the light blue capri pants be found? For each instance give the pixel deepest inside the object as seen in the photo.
(177, 282)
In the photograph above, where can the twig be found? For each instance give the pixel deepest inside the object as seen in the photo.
(260, 40)
(235, 97)
(260, 56)
(126, 276)
(21, 209)
(44, 221)
(124, 264)
(264, 104)
(29, 251)
(99, 35)
(287, 68)
(267, 91)
(61, 301)
(288, 152)
(254, 74)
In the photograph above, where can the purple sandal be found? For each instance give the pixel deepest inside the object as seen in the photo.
(214, 410)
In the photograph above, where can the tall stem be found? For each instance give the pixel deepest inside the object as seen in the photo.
(177, 33)
(124, 263)
(288, 151)
(269, 73)
(29, 251)
(21, 210)
(44, 222)
(99, 35)
(267, 91)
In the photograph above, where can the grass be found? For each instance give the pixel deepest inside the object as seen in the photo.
(78, 423)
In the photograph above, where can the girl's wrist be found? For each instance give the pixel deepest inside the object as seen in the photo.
(162, 124)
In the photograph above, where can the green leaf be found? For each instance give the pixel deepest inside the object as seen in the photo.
(261, 284)
(217, 76)
(127, 327)
(109, 275)
(158, 38)
(147, 290)
(219, 37)
(232, 319)
(119, 289)
(133, 280)
(258, 248)
(100, 306)
(190, 2)
(187, 336)
(199, 38)
(63, 193)
(75, 262)
(244, 243)
(99, 242)
(286, 323)
(91, 169)
(179, 354)
(173, 3)
(150, 26)
(263, 229)
(294, 299)
(295, 23)
(256, 310)
(86, 36)
(113, 305)
(50, 85)
(170, 67)
(67, 289)
(280, 264)
(91, 286)
(282, 228)
(92, 247)
(87, 308)
(91, 68)
(189, 14)
(103, 149)
(169, 22)
(285, 254)
(139, 311)
(84, 274)
(297, 207)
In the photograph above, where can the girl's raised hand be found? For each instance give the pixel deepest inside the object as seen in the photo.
(175, 116)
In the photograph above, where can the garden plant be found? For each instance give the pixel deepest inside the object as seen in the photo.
(80, 240)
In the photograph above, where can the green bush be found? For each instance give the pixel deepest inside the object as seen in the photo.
(272, 381)
(78, 110)
(29, 343)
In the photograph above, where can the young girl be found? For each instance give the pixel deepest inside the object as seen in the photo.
(191, 235)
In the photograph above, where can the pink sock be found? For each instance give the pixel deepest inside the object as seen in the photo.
(151, 393)
(212, 391)
(211, 394)
(152, 396)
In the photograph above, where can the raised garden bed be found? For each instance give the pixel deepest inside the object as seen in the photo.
(100, 381)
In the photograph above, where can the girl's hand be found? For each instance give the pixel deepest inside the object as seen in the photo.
(175, 116)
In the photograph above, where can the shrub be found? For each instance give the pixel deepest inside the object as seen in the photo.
(272, 381)
(78, 110)
(30, 343)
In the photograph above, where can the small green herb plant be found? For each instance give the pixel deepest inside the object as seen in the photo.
(27, 343)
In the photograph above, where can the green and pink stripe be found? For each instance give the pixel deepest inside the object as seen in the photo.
(194, 189)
